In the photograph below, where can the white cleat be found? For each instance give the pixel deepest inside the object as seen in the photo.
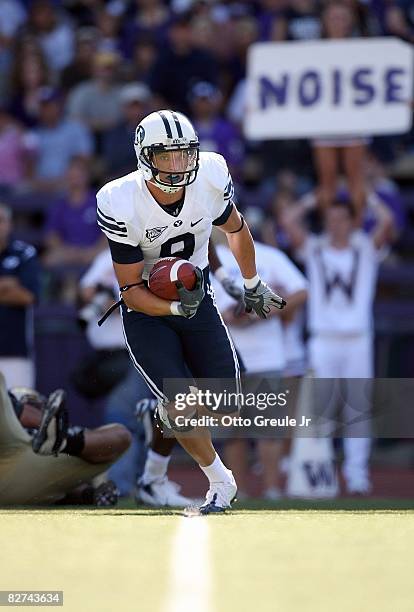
(359, 487)
(161, 493)
(220, 496)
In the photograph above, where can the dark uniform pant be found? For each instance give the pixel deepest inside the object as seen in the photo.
(172, 353)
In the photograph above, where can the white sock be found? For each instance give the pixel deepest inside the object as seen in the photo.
(155, 466)
(217, 471)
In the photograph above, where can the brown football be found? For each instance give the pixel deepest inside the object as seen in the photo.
(165, 272)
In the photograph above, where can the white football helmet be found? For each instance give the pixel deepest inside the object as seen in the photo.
(161, 132)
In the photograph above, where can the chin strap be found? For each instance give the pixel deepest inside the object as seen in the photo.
(167, 188)
(117, 304)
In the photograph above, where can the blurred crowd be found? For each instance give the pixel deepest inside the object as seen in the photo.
(76, 76)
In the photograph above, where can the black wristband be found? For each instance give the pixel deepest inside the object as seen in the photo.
(75, 441)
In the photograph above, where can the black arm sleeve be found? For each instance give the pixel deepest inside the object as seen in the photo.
(125, 253)
(221, 220)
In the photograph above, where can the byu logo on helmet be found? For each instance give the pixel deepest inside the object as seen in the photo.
(140, 135)
(167, 150)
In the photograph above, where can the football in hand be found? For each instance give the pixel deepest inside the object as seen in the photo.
(166, 272)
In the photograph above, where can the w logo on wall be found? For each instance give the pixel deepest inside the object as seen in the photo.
(312, 470)
(320, 474)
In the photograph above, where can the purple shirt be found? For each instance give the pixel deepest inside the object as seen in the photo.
(221, 137)
(266, 23)
(74, 224)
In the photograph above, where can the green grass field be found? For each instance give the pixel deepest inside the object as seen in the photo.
(254, 560)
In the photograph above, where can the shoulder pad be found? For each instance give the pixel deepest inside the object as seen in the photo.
(116, 198)
(213, 168)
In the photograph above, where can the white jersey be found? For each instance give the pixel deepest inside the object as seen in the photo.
(293, 337)
(110, 335)
(293, 341)
(341, 284)
(261, 345)
(128, 213)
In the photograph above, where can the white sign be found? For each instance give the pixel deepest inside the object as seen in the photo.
(329, 88)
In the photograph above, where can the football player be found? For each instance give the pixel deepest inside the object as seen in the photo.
(166, 208)
(46, 421)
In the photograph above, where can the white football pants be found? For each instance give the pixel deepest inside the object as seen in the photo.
(348, 357)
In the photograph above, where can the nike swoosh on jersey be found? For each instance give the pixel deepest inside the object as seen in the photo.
(195, 222)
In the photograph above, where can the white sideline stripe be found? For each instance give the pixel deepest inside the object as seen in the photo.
(190, 570)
